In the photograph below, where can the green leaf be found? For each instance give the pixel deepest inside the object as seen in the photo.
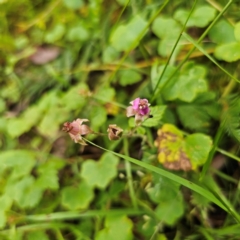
(37, 235)
(77, 33)
(55, 34)
(166, 28)
(99, 174)
(166, 45)
(98, 117)
(169, 212)
(156, 72)
(110, 54)
(170, 202)
(231, 122)
(157, 113)
(15, 160)
(105, 94)
(131, 32)
(117, 228)
(78, 197)
(197, 148)
(237, 31)
(22, 124)
(200, 17)
(3, 218)
(24, 192)
(198, 116)
(222, 32)
(190, 83)
(73, 4)
(228, 52)
(128, 77)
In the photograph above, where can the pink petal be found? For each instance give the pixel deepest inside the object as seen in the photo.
(135, 103)
(130, 111)
(144, 111)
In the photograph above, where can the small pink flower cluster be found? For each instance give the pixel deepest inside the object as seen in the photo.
(76, 129)
(140, 109)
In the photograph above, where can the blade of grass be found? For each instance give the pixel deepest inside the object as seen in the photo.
(171, 54)
(192, 50)
(208, 56)
(129, 175)
(195, 187)
(77, 215)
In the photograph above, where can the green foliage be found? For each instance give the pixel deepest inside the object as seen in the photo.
(185, 85)
(99, 174)
(169, 199)
(77, 197)
(70, 59)
(200, 17)
(231, 122)
(130, 32)
(117, 227)
(157, 114)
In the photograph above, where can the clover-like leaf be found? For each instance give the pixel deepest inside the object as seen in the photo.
(15, 160)
(228, 52)
(177, 152)
(129, 76)
(189, 84)
(200, 17)
(169, 199)
(197, 147)
(131, 32)
(222, 32)
(237, 31)
(157, 114)
(166, 27)
(117, 228)
(77, 197)
(99, 174)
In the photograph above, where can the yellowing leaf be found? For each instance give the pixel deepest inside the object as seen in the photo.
(176, 152)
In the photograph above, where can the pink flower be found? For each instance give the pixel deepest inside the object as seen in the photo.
(140, 109)
(76, 129)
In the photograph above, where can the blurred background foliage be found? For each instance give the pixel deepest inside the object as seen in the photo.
(67, 59)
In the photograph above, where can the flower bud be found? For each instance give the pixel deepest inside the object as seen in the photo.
(114, 132)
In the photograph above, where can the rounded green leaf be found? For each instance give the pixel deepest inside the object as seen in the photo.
(126, 36)
(200, 17)
(166, 27)
(170, 211)
(128, 77)
(190, 83)
(73, 4)
(99, 174)
(237, 31)
(55, 34)
(117, 228)
(78, 197)
(222, 32)
(197, 148)
(77, 33)
(228, 52)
